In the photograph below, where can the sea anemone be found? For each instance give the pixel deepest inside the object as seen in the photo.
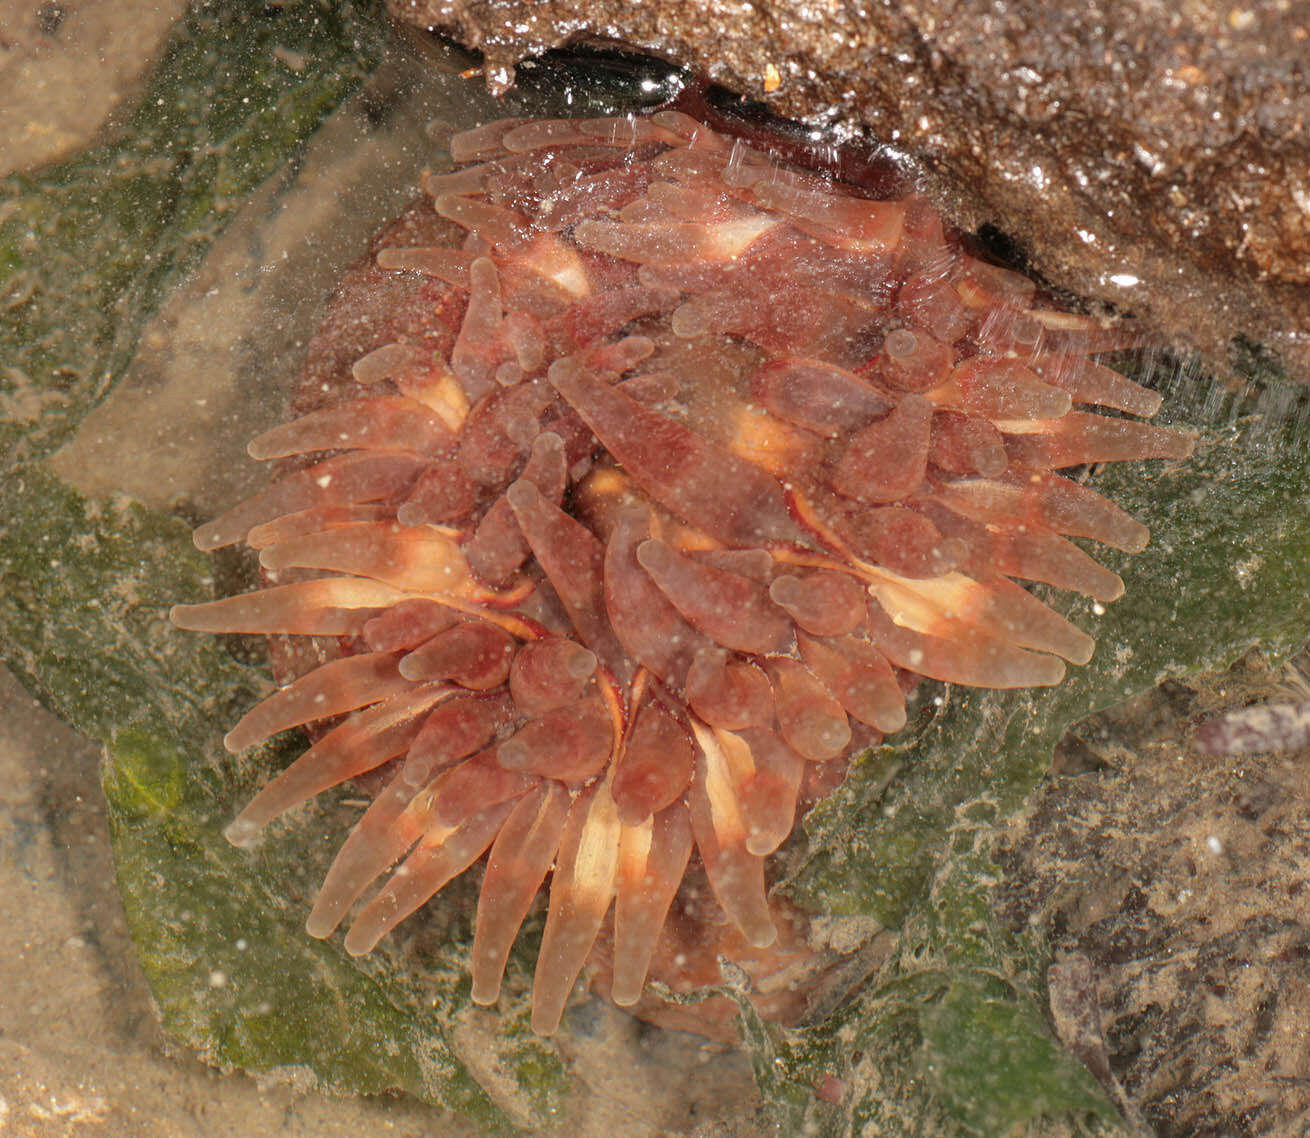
(637, 477)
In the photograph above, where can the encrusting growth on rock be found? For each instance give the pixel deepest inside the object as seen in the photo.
(651, 478)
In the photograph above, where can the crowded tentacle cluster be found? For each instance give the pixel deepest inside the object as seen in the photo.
(654, 474)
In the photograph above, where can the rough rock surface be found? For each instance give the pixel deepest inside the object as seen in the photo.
(1180, 878)
(1154, 156)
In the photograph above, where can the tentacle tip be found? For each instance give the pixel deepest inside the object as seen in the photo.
(485, 994)
(546, 1022)
(234, 742)
(821, 737)
(566, 367)
(1051, 674)
(625, 997)
(241, 832)
(416, 774)
(836, 737)
(653, 555)
(762, 844)
(1137, 541)
(890, 722)
(633, 810)
(787, 590)
(1112, 592)
(360, 943)
(1082, 651)
(513, 755)
(522, 495)
(209, 537)
(322, 923)
(761, 936)
(410, 668)
(581, 663)
(177, 615)
(640, 346)
(547, 441)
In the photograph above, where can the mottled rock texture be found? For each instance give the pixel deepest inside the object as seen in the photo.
(1111, 140)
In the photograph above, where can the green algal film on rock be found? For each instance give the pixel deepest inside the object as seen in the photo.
(88, 251)
(951, 1033)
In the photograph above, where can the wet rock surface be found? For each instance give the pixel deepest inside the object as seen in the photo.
(1149, 156)
(1177, 878)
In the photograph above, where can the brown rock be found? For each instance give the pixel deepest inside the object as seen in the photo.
(1129, 140)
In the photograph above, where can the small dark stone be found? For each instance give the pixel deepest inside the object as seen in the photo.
(49, 17)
